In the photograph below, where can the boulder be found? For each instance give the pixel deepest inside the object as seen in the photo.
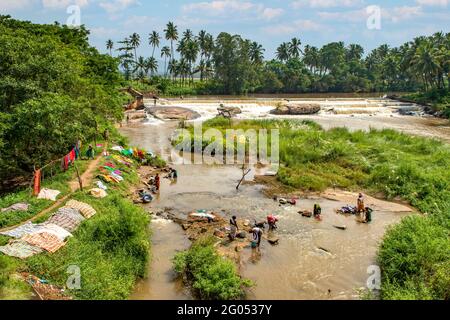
(228, 112)
(219, 234)
(296, 109)
(173, 113)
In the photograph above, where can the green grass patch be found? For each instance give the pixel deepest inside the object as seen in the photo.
(58, 182)
(212, 277)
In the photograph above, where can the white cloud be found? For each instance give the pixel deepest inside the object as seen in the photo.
(325, 3)
(117, 5)
(272, 13)
(401, 13)
(232, 8)
(433, 3)
(8, 5)
(61, 4)
(296, 26)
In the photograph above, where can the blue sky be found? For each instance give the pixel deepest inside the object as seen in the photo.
(269, 22)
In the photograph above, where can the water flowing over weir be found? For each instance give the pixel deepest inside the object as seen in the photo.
(314, 260)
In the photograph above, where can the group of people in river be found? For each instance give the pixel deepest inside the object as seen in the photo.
(257, 229)
(154, 185)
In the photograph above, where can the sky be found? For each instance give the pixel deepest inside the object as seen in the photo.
(269, 22)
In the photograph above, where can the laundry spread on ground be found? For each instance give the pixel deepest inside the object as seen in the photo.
(67, 218)
(98, 193)
(44, 240)
(19, 232)
(48, 194)
(86, 210)
(17, 207)
(20, 249)
(58, 231)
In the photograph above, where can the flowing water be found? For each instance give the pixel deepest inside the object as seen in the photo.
(314, 260)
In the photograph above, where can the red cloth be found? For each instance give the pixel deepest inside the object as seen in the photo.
(271, 219)
(72, 155)
(37, 182)
(66, 162)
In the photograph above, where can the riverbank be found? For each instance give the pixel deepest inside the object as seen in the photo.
(111, 250)
(386, 163)
(437, 100)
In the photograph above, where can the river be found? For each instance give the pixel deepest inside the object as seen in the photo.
(298, 268)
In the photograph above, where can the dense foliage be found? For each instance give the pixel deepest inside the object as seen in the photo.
(212, 276)
(54, 89)
(229, 64)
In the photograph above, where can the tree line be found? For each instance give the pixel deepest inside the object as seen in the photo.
(229, 64)
(54, 89)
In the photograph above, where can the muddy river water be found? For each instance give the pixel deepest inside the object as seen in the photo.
(298, 268)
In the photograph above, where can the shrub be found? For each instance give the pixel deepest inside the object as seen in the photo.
(212, 276)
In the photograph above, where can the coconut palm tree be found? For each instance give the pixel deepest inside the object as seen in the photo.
(171, 34)
(135, 41)
(283, 52)
(140, 68)
(295, 47)
(173, 68)
(191, 50)
(154, 40)
(188, 35)
(355, 52)
(110, 46)
(256, 53)
(165, 53)
(425, 62)
(151, 65)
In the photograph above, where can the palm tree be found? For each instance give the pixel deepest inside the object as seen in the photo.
(283, 52)
(294, 47)
(188, 35)
(140, 68)
(151, 64)
(165, 52)
(191, 50)
(110, 46)
(135, 41)
(256, 53)
(171, 33)
(154, 41)
(355, 52)
(425, 62)
(173, 68)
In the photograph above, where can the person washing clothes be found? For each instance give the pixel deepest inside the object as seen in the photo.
(272, 222)
(157, 181)
(257, 235)
(360, 207)
(234, 228)
(317, 212)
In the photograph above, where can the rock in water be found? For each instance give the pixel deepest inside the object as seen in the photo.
(273, 241)
(296, 109)
(228, 112)
(173, 113)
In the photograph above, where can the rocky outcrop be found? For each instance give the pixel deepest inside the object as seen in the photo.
(228, 112)
(173, 113)
(296, 109)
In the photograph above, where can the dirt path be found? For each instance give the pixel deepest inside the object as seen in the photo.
(74, 185)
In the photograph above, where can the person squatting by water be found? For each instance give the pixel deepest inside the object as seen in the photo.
(233, 228)
(317, 212)
(272, 222)
(257, 235)
(157, 181)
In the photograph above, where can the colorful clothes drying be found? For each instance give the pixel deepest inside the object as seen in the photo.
(20, 249)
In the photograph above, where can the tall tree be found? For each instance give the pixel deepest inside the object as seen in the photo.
(135, 41)
(165, 53)
(283, 52)
(154, 41)
(295, 47)
(110, 46)
(171, 34)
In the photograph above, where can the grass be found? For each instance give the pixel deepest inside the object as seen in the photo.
(57, 182)
(212, 277)
(111, 249)
(415, 254)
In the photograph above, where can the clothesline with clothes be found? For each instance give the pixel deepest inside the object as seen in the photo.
(65, 162)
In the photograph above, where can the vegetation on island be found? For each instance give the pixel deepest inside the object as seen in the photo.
(212, 277)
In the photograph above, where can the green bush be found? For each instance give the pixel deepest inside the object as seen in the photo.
(212, 276)
(415, 260)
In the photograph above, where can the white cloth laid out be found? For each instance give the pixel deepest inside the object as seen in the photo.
(48, 194)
